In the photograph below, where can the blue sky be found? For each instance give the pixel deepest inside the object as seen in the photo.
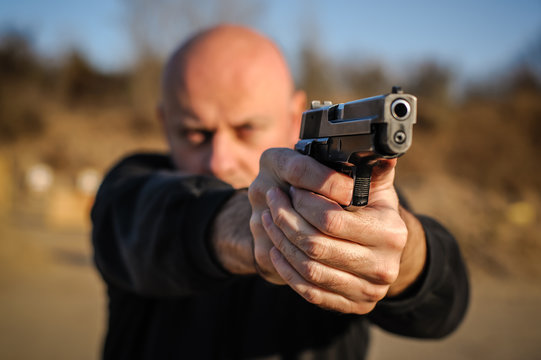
(474, 37)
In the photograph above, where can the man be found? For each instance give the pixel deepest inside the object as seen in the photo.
(198, 267)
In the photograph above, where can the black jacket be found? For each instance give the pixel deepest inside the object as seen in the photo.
(170, 299)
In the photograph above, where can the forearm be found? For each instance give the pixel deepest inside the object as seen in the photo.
(150, 229)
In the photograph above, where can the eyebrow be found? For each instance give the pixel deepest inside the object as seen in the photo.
(192, 122)
(187, 119)
(191, 125)
(185, 111)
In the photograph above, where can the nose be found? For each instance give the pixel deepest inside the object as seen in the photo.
(223, 158)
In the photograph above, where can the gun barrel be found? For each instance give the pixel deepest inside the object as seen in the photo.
(400, 109)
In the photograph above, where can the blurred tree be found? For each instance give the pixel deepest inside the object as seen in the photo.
(497, 134)
(17, 58)
(80, 83)
(431, 80)
(79, 80)
(524, 79)
(144, 90)
(21, 74)
(17, 122)
(530, 57)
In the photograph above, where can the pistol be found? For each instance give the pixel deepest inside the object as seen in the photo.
(350, 137)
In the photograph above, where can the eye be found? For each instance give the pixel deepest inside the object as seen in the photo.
(195, 137)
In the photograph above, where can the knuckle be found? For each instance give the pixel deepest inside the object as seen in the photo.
(313, 248)
(297, 169)
(266, 156)
(276, 157)
(362, 308)
(398, 230)
(264, 266)
(331, 222)
(311, 272)
(289, 277)
(269, 276)
(298, 200)
(280, 219)
(396, 237)
(255, 224)
(386, 273)
(254, 221)
(374, 293)
(312, 295)
(256, 192)
(280, 243)
(266, 274)
(337, 190)
(299, 238)
(261, 257)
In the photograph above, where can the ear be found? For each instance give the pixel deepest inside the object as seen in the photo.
(298, 105)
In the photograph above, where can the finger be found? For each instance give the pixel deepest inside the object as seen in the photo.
(291, 225)
(326, 277)
(366, 226)
(299, 241)
(305, 172)
(315, 294)
(383, 174)
(261, 248)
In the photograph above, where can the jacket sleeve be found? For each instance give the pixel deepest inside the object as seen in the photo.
(436, 304)
(150, 227)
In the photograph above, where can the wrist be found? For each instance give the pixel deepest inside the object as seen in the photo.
(413, 259)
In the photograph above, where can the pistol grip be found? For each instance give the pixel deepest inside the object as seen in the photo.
(361, 187)
(361, 174)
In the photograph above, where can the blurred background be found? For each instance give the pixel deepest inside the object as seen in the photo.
(79, 82)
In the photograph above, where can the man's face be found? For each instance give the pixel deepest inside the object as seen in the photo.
(221, 127)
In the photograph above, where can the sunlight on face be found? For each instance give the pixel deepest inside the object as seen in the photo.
(219, 119)
(226, 139)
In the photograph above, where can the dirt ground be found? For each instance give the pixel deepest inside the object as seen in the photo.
(52, 306)
(51, 299)
(503, 322)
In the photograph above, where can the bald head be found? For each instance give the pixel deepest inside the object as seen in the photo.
(227, 96)
(224, 56)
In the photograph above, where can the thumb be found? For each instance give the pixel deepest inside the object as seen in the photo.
(383, 174)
